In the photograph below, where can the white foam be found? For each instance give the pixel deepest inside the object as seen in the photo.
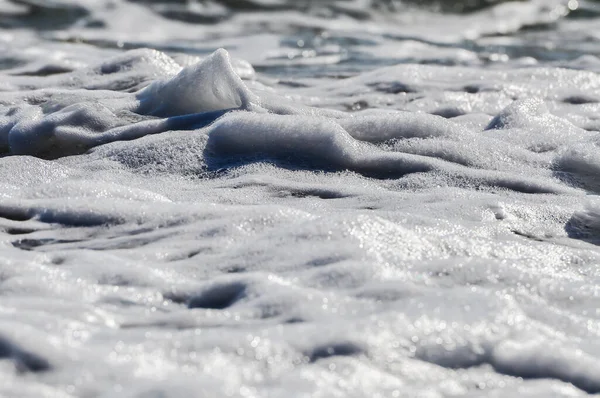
(206, 86)
(540, 359)
(321, 226)
(72, 122)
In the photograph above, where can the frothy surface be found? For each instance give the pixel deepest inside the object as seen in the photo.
(343, 202)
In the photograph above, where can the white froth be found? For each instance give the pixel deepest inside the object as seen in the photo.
(380, 209)
(206, 86)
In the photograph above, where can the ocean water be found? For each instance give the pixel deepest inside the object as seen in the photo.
(279, 198)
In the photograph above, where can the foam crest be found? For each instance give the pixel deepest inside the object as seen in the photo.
(129, 71)
(209, 85)
(305, 142)
(316, 142)
(534, 359)
(529, 123)
(581, 162)
(70, 130)
(585, 223)
(398, 125)
(74, 121)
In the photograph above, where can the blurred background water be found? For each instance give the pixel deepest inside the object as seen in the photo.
(309, 38)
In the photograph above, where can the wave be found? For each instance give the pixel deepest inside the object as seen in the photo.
(60, 14)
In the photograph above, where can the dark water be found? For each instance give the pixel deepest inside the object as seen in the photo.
(309, 34)
(59, 14)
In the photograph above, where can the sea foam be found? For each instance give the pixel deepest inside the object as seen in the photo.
(369, 207)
